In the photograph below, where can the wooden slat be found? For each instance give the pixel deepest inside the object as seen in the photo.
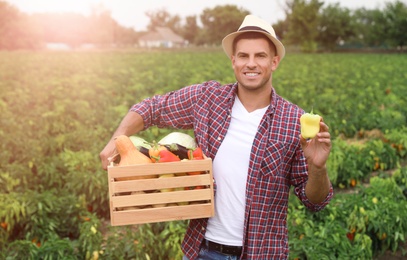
(160, 198)
(161, 183)
(161, 214)
(159, 168)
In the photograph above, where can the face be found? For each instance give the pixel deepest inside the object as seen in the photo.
(253, 63)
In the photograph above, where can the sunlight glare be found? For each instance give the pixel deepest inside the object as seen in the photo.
(83, 6)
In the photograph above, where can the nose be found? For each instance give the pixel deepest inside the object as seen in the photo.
(251, 63)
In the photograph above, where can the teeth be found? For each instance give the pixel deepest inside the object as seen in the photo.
(251, 74)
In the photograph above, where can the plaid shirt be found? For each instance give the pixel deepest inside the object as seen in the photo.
(276, 160)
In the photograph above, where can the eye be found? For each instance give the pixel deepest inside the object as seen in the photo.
(262, 55)
(242, 55)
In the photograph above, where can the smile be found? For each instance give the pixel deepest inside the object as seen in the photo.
(251, 74)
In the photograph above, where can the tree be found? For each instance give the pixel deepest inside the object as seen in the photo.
(15, 30)
(303, 20)
(370, 26)
(126, 36)
(69, 28)
(281, 28)
(395, 18)
(219, 21)
(191, 29)
(162, 18)
(103, 28)
(335, 25)
(75, 29)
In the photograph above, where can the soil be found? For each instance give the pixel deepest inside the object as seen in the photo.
(400, 254)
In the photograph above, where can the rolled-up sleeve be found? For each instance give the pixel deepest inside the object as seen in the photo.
(173, 109)
(299, 181)
(300, 192)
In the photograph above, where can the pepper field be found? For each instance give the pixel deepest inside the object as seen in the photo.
(58, 110)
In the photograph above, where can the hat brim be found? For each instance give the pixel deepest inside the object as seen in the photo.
(227, 43)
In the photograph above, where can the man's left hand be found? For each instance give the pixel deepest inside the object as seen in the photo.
(317, 149)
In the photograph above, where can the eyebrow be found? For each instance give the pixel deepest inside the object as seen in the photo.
(257, 53)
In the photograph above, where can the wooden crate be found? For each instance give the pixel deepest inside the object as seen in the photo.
(141, 201)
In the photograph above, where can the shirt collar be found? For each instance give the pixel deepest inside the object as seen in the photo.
(273, 103)
(271, 108)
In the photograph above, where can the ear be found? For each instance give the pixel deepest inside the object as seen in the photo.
(233, 60)
(275, 62)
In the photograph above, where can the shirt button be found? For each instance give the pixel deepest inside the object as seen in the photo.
(219, 138)
(203, 228)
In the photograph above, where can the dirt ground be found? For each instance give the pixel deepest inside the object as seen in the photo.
(398, 255)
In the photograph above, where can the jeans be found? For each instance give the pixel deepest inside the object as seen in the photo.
(206, 254)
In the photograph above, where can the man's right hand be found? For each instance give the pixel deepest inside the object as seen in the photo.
(106, 153)
(132, 123)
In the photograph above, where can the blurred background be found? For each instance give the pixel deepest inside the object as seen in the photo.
(304, 25)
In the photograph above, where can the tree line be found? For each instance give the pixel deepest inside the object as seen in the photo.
(310, 25)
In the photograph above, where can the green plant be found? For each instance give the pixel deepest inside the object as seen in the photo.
(383, 155)
(120, 244)
(345, 164)
(167, 236)
(12, 213)
(325, 234)
(148, 241)
(354, 225)
(90, 238)
(398, 139)
(386, 208)
(50, 213)
(85, 178)
(53, 248)
(400, 177)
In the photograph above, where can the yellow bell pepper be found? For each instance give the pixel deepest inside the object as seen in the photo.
(309, 125)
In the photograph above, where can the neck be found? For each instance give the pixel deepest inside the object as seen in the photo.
(253, 100)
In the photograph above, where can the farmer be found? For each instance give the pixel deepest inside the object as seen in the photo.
(253, 137)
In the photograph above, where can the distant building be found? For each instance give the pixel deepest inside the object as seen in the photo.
(60, 46)
(161, 37)
(57, 46)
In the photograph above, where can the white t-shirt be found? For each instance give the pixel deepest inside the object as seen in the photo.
(230, 168)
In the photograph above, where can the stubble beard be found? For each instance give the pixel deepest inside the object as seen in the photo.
(255, 87)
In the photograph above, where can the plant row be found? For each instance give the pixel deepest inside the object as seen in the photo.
(353, 161)
(357, 225)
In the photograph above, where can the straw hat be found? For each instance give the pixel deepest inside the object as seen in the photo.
(253, 23)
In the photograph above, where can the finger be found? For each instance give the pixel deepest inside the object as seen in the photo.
(323, 127)
(105, 162)
(303, 141)
(324, 134)
(324, 138)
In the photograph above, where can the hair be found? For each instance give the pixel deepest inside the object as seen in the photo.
(253, 35)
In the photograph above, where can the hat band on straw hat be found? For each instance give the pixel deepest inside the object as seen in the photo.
(253, 28)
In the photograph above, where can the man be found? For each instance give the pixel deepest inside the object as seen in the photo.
(253, 137)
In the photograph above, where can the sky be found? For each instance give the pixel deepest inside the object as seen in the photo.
(131, 13)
